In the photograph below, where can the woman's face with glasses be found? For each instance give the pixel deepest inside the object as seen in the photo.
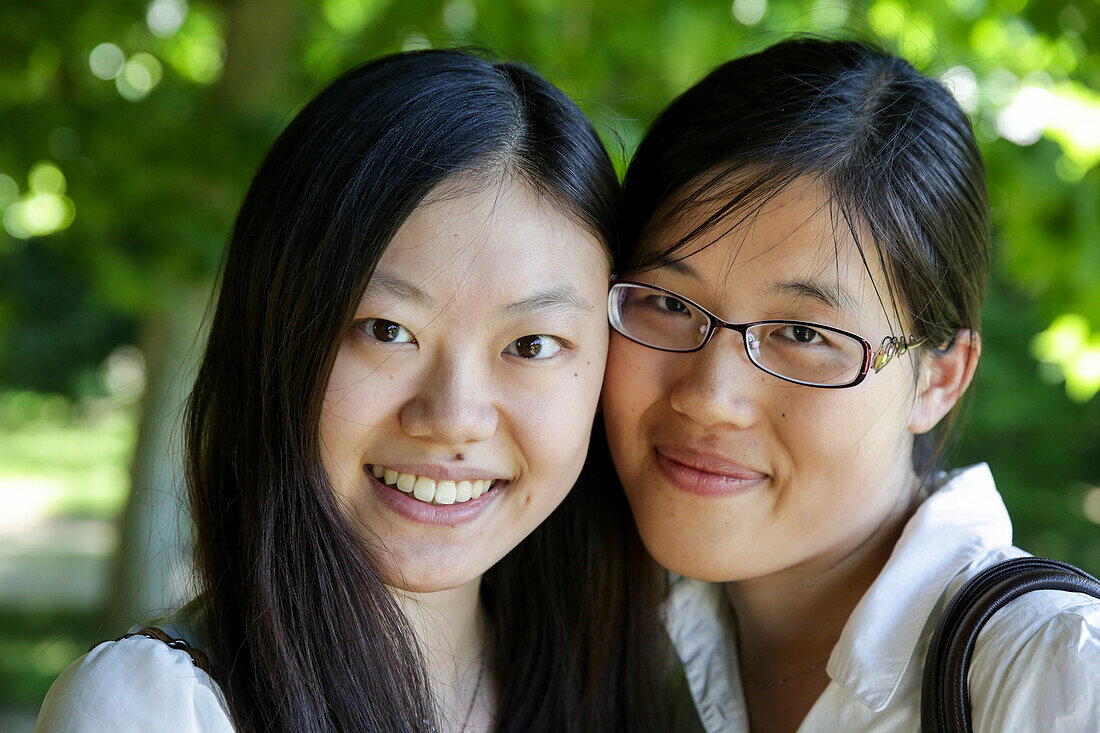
(745, 417)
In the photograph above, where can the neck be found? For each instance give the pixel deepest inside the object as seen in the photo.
(790, 620)
(449, 624)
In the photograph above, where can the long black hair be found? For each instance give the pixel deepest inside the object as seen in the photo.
(302, 630)
(890, 145)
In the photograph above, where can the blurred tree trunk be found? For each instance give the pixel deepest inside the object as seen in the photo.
(153, 561)
(153, 574)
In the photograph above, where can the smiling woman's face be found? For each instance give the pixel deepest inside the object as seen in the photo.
(458, 413)
(733, 473)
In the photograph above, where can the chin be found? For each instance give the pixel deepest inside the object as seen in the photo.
(689, 553)
(427, 585)
(688, 566)
(433, 574)
(429, 582)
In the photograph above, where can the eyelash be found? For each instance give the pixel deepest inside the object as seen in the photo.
(562, 345)
(364, 326)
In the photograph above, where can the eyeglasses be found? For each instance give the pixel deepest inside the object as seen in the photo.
(796, 351)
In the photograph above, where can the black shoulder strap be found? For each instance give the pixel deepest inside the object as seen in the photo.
(945, 699)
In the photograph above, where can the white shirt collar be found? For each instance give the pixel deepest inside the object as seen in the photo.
(960, 521)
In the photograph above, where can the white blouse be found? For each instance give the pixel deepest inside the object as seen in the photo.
(131, 685)
(1036, 666)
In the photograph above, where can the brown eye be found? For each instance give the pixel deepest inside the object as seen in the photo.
(801, 334)
(535, 346)
(804, 335)
(386, 332)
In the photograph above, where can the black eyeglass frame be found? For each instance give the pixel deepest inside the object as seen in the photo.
(872, 360)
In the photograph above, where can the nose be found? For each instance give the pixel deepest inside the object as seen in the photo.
(451, 406)
(718, 384)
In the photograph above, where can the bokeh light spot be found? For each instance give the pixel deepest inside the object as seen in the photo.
(459, 16)
(123, 373)
(749, 12)
(968, 9)
(139, 76)
(1067, 343)
(415, 41)
(351, 16)
(1023, 120)
(829, 14)
(38, 214)
(164, 17)
(1067, 169)
(963, 85)
(45, 177)
(199, 54)
(106, 60)
(9, 190)
(1091, 504)
(1070, 19)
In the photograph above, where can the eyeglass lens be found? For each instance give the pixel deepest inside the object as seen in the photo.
(804, 353)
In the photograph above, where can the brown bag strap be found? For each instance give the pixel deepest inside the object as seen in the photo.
(198, 659)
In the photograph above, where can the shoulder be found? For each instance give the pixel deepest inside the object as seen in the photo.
(1036, 665)
(134, 684)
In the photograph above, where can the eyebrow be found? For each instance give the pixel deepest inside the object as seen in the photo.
(679, 266)
(833, 296)
(558, 298)
(398, 288)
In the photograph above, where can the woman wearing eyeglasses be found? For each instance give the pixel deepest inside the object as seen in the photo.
(795, 324)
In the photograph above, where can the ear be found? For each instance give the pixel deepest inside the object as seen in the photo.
(944, 375)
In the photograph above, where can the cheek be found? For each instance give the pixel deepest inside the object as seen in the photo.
(632, 384)
(842, 445)
(553, 421)
(359, 399)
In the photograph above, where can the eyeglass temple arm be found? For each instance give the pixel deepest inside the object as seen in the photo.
(893, 346)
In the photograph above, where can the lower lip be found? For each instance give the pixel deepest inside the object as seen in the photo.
(702, 483)
(438, 515)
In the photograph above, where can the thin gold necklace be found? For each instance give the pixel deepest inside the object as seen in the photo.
(788, 678)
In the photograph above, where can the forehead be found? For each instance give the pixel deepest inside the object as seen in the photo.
(769, 252)
(489, 239)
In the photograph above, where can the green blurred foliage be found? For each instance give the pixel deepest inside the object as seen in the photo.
(149, 144)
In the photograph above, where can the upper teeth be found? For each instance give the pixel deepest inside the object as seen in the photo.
(429, 490)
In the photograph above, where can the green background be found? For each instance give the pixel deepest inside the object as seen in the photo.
(129, 131)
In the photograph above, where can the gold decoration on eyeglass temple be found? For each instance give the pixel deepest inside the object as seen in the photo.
(893, 346)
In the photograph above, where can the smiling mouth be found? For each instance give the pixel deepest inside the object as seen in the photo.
(441, 492)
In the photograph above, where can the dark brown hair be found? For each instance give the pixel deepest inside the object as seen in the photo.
(303, 632)
(890, 146)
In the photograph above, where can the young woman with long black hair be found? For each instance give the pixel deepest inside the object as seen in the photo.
(397, 392)
(797, 316)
